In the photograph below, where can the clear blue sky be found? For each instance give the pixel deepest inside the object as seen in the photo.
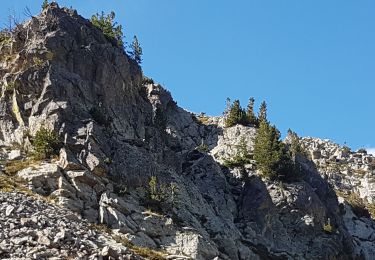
(312, 61)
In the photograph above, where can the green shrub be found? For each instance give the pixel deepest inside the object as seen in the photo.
(5, 36)
(346, 149)
(328, 227)
(362, 150)
(99, 116)
(160, 120)
(146, 80)
(44, 4)
(203, 148)
(242, 156)
(202, 118)
(46, 143)
(161, 196)
(108, 26)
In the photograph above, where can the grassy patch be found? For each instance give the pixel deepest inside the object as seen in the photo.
(141, 251)
(203, 119)
(360, 207)
(12, 167)
(11, 183)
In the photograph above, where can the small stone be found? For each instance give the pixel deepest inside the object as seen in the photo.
(9, 210)
(43, 240)
(109, 252)
(59, 236)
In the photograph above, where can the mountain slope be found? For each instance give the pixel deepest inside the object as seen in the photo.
(129, 157)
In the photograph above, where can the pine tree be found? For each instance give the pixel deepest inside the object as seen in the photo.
(268, 150)
(44, 4)
(295, 145)
(251, 118)
(262, 115)
(236, 115)
(109, 27)
(227, 107)
(136, 50)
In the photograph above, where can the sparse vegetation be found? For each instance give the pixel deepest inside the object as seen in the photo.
(328, 227)
(44, 4)
(251, 118)
(37, 62)
(202, 118)
(262, 115)
(148, 253)
(12, 183)
(146, 80)
(161, 196)
(346, 149)
(136, 50)
(362, 150)
(242, 156)
(360, 207)
(203, 148)
(236, 115)
(14, 166)
(268, 150)
(296, 147)
(99, 116)
(5, 36)
(110, 28)
(160, 120)
(46, 143)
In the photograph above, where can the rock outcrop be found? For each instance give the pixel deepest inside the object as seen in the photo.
(60, 72)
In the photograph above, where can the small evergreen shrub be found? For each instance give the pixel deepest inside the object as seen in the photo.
(46, 143)
(346, 149)
(202, 118)
(328, 227)
(99, 117)
(362, 150)
(146, 80)
(203, 148)
(161, 197)
(242, 156)
(44, 4)
(5, 36)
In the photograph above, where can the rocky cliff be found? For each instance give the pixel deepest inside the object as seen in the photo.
(133, 165)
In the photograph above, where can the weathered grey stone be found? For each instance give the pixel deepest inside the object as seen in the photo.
(44, 176)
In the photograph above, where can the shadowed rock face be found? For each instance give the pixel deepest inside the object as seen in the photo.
(62, 73)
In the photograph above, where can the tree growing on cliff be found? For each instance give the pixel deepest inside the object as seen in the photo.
(44, 4)
(136, 50)
(236, 115)
(251, 118)
(262, 115)
(268, 150)
(110, 28)
(46, 143)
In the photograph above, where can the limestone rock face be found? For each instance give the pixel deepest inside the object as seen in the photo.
(347, 171)
(62, 73)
